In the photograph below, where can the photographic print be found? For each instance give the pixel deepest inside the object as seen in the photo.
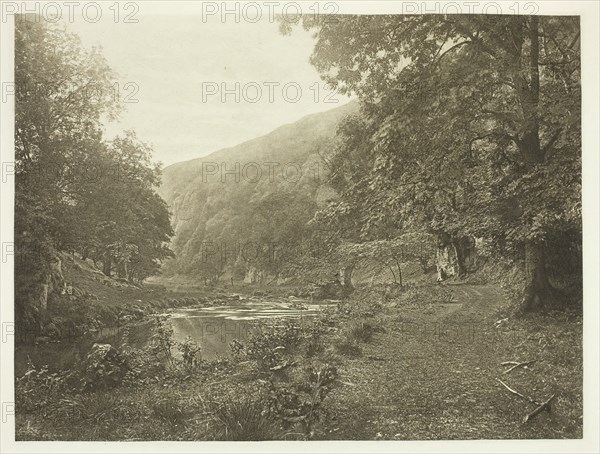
(296, 221)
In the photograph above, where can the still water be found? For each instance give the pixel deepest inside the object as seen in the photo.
(213, 328)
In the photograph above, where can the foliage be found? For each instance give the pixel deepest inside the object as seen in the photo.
(470, 125)
(74, 191)
(38, 388)
(348, 347)
(162, 341)
(268, 343)
(245, 420)
(236, 224)
(190, 352)
(103, 368)
(300, 401)
(361, 331)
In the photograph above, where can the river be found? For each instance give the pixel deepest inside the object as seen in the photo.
(213, 328)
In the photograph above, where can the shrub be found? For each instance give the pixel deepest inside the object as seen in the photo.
(244, 421)
(162, 340)
(300, 401)
(361, 331)
(190, 352)
(314, 345)
(348, 348)
(104, 367)
(267, 344)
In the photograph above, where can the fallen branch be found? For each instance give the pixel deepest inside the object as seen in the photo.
(538, 410)
(517, 393)
(282, 366)
(515, 365)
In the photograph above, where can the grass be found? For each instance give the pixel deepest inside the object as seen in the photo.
(421, 364)
(244, 421)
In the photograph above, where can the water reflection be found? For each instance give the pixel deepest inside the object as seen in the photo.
(215, 327)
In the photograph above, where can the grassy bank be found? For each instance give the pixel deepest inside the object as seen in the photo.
(416, 363)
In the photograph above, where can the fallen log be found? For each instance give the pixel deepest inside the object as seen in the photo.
(543, 406)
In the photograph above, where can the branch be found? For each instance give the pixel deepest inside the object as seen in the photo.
(452, 48)
(475, 39)
(515, 365)
(516, 393)
(543, 406)
(551, 142)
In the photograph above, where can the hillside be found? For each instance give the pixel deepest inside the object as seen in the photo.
(222, 198)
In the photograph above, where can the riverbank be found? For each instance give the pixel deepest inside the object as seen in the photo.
(418, 363)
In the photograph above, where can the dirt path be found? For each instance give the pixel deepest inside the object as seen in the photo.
(431, 375)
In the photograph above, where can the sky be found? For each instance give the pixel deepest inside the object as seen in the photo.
(183, 69)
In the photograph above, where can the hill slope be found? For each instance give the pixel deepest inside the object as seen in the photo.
(263, 191)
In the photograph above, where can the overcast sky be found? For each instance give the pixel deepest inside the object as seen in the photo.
(172, 59)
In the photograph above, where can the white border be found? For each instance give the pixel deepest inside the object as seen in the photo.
(589, 12)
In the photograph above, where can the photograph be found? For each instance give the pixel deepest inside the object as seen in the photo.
(300, 223)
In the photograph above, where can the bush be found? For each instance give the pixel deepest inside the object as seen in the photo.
(361, 331)
(314, 345)
(190, 352)
(104, 367)
(299, 401)
(267, 344)
(348, 348)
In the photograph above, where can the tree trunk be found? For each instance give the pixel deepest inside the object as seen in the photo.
(538, 290)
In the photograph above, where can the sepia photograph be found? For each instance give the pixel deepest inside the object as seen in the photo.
(299, 222)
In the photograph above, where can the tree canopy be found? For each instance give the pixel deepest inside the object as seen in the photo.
(469, 125)
(76, 191)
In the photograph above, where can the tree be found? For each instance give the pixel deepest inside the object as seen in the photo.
(481, 113)
(74, 191)
(393, 254)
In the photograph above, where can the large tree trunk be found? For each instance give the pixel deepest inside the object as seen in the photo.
(538, 290)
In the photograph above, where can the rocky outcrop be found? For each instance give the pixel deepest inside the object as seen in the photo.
(254, 276)
(455, 256)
